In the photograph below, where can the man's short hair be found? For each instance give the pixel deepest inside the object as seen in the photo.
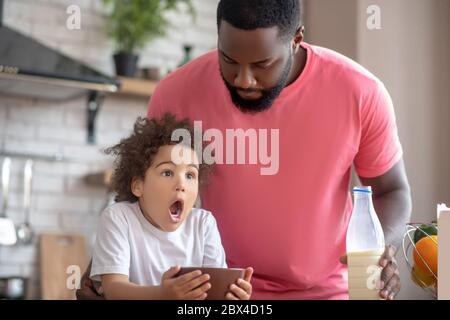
(253, 14)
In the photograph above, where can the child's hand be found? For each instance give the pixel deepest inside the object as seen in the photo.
(190, 286)
(242, 290)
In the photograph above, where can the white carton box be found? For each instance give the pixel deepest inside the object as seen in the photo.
(443, 252)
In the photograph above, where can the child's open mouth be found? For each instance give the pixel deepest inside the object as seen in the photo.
(175, 210)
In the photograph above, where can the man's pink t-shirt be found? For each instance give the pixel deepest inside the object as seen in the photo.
(291, 226)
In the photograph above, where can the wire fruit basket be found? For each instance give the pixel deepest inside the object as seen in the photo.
(422, 273)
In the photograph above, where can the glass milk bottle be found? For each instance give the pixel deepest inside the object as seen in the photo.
(365, 245)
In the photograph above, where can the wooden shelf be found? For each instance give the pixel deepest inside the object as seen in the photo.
(137, 87)
(102, 179)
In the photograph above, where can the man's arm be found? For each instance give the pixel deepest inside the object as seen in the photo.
(88, 288)
(392, 201)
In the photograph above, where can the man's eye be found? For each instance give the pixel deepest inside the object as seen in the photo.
(262, 66)
(167, 173)
(228, 60)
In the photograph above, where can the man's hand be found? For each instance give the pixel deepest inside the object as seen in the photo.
(242, 290)
(390, 277)
(88, 290)
(190, 286)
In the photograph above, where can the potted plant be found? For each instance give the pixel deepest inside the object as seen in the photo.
(133, 23)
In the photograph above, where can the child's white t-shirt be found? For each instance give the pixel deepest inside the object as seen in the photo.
(129, 244)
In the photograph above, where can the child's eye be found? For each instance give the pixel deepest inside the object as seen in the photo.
(190, 175)
(167, 173)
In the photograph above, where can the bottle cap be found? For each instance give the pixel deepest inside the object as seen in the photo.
(364, 189)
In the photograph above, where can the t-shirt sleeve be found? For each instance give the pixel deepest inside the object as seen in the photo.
(214, 254)
(379, 148)
(155, 105)
(111, 254)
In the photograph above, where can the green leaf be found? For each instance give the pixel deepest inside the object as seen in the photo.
(425, 230)
(131, 24)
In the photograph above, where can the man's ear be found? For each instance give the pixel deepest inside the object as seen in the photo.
(298, 38)
(137, 187)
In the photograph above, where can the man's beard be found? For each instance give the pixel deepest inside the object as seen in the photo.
(268, 95)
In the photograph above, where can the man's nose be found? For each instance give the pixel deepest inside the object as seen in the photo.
(244, 79)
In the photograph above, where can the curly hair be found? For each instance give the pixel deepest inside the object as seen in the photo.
(135, 154)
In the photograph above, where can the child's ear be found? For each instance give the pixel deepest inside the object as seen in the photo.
(137, 187)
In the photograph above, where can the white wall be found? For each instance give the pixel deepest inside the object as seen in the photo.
(61, 201)
(328, 24)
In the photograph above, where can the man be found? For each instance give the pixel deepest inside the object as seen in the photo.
(330, 113)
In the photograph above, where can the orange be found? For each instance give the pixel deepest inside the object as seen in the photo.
(422, 279)
(426, 254)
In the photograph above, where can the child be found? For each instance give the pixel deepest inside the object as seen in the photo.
(153, 229)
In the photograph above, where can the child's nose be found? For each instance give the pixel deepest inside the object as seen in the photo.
(181, 185)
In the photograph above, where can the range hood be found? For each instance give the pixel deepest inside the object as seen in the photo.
(29, 68)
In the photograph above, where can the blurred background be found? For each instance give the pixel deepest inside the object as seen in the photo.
(408, 51)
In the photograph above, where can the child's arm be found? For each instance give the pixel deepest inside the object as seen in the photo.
(118, 287)
(191, 286)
